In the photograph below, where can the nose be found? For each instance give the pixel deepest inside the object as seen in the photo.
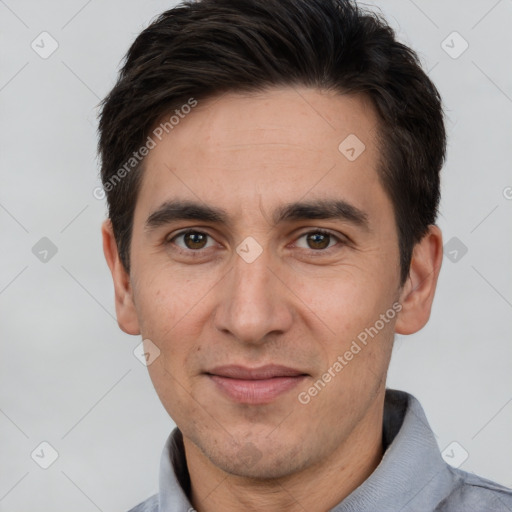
(256, 303)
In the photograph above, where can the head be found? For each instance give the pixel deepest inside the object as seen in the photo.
(272, 177)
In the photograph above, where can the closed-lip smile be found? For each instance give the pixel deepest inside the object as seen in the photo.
(259, 385)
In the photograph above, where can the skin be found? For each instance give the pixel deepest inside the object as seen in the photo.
(296, 304)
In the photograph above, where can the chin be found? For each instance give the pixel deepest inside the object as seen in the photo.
(258, 460)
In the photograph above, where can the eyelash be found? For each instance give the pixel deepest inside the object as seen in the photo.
(199, 252)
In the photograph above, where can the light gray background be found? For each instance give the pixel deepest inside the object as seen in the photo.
(68, 374)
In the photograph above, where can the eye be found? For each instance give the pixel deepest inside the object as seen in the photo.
(319, 240)
(192, 240)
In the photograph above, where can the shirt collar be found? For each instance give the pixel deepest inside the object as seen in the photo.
(411, 475)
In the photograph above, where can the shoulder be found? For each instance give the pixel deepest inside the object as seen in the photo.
(473, 493)
(149, 505)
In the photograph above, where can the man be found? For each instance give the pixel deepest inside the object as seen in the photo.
(272, 176)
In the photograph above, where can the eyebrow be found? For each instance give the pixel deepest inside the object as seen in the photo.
(328, 209)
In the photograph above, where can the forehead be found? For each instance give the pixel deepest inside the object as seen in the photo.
(305, 120)
(275, 146)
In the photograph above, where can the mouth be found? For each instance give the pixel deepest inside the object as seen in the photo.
(255, 385)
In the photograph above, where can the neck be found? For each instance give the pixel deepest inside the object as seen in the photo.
(318, 487)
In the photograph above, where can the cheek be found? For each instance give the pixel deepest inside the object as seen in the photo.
(161, 309)
(162, 295)
(342, 301)
(169, 318)
(348, 308)
(174, 312)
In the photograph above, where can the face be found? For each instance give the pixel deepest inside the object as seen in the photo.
(263, 254)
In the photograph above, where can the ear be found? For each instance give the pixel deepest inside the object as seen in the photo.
(125, 307)
(417, 293)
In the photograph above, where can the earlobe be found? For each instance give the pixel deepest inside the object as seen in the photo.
(418, 291)
(125, 307)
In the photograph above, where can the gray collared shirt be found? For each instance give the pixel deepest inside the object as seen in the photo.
(411, 477)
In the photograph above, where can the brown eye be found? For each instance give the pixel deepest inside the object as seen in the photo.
(319, 240)
(195, 240)
(192, 240)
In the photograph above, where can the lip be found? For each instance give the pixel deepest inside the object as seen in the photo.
(254, 386)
